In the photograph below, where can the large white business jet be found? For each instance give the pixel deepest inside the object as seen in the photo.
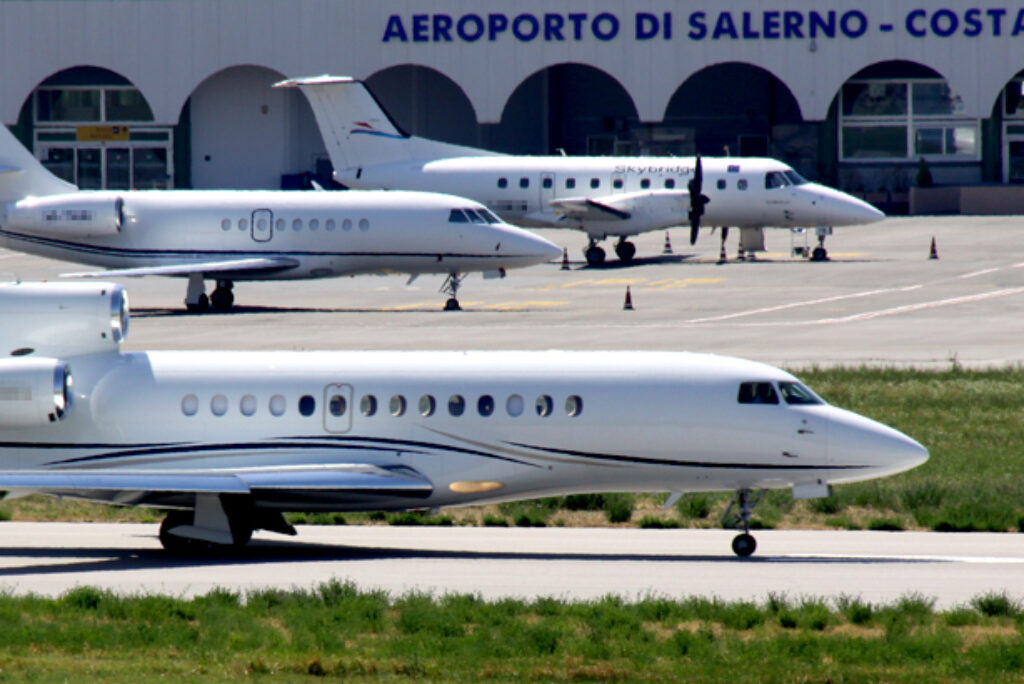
(602, 196)
(230, 440)
(231, 235)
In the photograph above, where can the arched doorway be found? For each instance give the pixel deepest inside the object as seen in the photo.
(425, 102)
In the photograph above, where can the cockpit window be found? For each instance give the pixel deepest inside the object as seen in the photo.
(488, 216)
(473, 216)
(758, 393)
(795, 178)
(796, 394)
(457, 217)
(775, 179)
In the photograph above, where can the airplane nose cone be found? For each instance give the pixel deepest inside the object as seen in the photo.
(527, 248)
(846, 210)
(863, 449)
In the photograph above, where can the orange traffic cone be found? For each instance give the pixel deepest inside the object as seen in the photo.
(668, 245)
(934, 253)
(628, 305)
(565, 259)
(722, 257)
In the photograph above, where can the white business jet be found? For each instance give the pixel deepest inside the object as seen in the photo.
(229, 440)
(232, 235)
(602, 196)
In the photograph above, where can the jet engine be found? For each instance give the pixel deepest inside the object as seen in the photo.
(33, 392)
(68, 216)
(61, 319)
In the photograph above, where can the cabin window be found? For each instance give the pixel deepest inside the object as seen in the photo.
(219, 405)
(364, 225)
(307, 405)
(796, 394)
(277, 405)
(314, 224)
(741, 184)
(570, 183)
(190, 404)
(225, 224)
(503, 183)
(488, 216)
(774, 180)
(720, 184)
(280, 224)
(524, 182)
(573, 405)
(485, 405)
(474, 217)
(297, 225)
(670, 183)
(397, 405)
(346, 225)
(427, 405)
(330, 225)
(795, 178)
(617, 183)
(645, 183)
(456, 405)
(514, 405)
(544, 406)
(456, 216)
(247, 405)
(547, 183)
(757, 393)
(337, 405)
(243, 224)
(595, 183)
(368, 405)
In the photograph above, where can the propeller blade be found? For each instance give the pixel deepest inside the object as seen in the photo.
(697, 199)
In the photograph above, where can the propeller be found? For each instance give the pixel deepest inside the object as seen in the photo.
(697, 199)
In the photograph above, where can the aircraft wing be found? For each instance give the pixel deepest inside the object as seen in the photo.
(206, 267)
(617, 207)
(123, 485)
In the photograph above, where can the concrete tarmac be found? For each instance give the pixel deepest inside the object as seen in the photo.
(881, 567)
(880, 300)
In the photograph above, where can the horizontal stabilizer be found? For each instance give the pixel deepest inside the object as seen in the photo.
(208, 267)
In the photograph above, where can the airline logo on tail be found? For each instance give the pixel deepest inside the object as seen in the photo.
(367, 129)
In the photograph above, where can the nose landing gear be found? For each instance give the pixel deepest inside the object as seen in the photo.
(451, 288)
(738, 515)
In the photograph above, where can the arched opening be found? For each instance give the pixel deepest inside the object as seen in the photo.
(1008, 127)
(425, 102)
(92, 127)
(742, 110)
(573, 107)
(245, 134)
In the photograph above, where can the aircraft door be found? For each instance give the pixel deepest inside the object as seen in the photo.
(547, 190)
(338, 407)
(262, 225)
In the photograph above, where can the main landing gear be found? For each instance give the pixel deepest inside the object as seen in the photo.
(218, 523)
(196, 300)
(624, 249)
(451, 288)
(738, 515)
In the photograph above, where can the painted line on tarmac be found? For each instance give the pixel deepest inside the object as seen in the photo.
(794, 305)
(982, 272)
(908, 308)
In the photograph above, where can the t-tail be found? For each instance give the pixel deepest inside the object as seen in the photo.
(358, 132)
(21, 174)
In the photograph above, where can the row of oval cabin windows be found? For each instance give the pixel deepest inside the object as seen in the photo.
(337, 405)
(281, 225)
(617, 183)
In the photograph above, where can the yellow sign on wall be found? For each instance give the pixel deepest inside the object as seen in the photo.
(101, 133)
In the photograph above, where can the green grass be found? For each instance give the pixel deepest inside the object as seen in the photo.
(336, 630)
(971, 421)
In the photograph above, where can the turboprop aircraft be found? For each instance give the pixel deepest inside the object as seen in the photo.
(233, 235)
(602, 196)
(228, 441)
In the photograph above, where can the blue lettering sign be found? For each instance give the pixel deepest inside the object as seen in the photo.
(395, 30)
(646, 26)
(854, 24)
(748, 33)
(553, 24)
(698, 30)
(972, 22)
(944, 23)
(724, 26)
(420, 28)
(496, 23)
(826, 26)
(533, 27)
(1018, 26)
(442, 28)
(793, 23)
(771, 25)
(577, 19)
(470, 28)
(608, 33)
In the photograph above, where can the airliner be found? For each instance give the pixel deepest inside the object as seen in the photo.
(229, 440)
(602, 196)
(232, 235)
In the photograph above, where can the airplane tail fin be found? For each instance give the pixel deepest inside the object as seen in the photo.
(358, 131)
(21, 174)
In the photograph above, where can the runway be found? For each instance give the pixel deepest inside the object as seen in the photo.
(881, 567)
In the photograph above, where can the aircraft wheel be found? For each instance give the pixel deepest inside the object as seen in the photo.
(452, 305)
(200, 306)
(625, 250)
(819, 254)
(172, 542)
(744, 545)
(595, 256)
(222, 299)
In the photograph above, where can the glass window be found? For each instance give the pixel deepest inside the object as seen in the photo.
(247, 405)
(190, 404)
(89, 172)
(346, 225)
(280, 224)
(368, 405)
(330, 225)
(243, 224)
(795, 178)
(491, 218)
(617, 183)
(570, 183)
(456, 216)
(225, 224)
(757, 393)
(514, 405)
(59, 104)
(573, 405)
(595, 183)
(741, 184)
(127, 105)
(874, 98)
(796, 394)
(149, 168)
(427, 405)
(544, 405)
(670, 183)
(928, 141)
(485, 405)
(307, 405)
(219, 405)
(473, 216)
(935, 98)
(397, 405)
(547, 183)
(364, 225)
(645, 183)
(456, 405)
(314, 224)
(337, 405)
(874, 142)
(119, 163)
(720, 184)
(277, 405)
(524, 182)
(503, 183)
(774, 179)
(297, 225)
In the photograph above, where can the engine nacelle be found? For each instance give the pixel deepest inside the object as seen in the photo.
(68, 216)
(61, 319)
(33, 392)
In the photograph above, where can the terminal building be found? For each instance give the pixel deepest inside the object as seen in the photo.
(870, 97)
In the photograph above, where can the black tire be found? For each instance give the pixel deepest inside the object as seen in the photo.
(595, 256)
(819, 254)
(222, 299)
(199, 307)
(452, 305)
(625, 251)
(743, 545)
(172, 542)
